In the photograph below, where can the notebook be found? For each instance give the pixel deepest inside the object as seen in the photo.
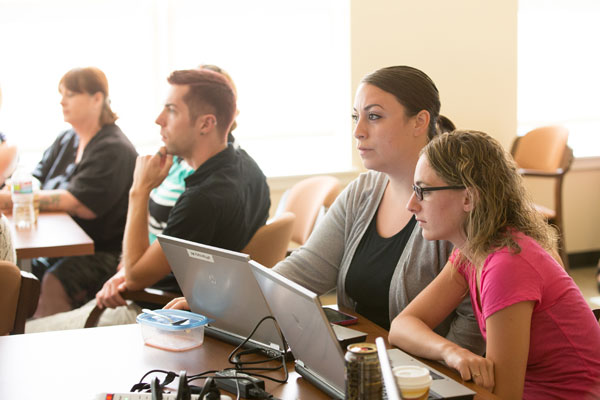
(219, 284)
(319, 359)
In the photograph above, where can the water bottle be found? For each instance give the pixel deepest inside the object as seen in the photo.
(22, 198)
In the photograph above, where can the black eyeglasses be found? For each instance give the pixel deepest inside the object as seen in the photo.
(420, 190)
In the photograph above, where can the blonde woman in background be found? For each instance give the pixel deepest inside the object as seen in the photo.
(86, 172)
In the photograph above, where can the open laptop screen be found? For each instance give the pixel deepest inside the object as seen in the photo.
(219, 284)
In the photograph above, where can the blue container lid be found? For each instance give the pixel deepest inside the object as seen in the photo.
(193, 320)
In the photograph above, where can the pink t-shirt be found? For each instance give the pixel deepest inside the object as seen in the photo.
(564, 347)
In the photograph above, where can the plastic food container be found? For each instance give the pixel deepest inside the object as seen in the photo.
(159, 332)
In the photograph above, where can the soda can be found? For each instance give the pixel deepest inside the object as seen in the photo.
(363, 373)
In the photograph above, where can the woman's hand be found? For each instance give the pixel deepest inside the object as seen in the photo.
(471, 366)
(180, 303)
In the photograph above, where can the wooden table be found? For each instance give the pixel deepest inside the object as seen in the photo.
(80, 363)
(55, 234)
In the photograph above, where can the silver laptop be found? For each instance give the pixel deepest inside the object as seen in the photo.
(219, 284)
(391, 391)
(319, 359)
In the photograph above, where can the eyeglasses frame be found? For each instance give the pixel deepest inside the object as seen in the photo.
(420, 190)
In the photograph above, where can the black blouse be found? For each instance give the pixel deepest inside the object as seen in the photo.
(370, 273)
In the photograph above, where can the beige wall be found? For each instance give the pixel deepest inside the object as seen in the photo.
(581, 200)
(469, 48)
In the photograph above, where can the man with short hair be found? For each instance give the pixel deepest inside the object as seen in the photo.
(225, 201)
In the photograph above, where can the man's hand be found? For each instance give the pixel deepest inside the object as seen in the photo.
(150, 171)
(180, 303)
(110, 294)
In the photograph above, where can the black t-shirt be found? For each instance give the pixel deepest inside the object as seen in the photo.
(370, 273)
(224, 203)
(100, 181)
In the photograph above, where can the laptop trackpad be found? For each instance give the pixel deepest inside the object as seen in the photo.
(346, 336)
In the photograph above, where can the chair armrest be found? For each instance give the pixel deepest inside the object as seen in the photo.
(29, 295)
(148, 295)
(542, 174)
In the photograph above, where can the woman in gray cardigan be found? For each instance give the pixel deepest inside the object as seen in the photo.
(368, 245)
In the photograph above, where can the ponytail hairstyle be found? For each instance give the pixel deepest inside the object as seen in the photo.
(415, 91)
(90, 80)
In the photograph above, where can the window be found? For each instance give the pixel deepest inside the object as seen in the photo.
(558, 69)
(289, 60)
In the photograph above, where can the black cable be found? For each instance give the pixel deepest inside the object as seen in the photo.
(256, 391)
(239, 365)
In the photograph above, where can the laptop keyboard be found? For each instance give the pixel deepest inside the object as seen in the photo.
(432, 395)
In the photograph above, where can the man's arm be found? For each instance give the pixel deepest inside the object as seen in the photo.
(144, 264)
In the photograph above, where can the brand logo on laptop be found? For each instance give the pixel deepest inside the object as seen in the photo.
(200, 255)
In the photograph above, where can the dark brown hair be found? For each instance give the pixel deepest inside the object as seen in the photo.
(209, 92)
(90, 80)
(415, 91)
(217, 69)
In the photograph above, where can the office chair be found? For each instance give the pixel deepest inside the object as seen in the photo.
(307, 199)
(544, 153)
(268, 246)
(19, 294)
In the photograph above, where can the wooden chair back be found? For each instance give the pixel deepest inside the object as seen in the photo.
(269, 244)
(544, 153)
(306, 199)
(19, 294)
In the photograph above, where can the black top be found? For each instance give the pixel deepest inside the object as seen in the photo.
(100, 181)
(370, 273)
(224, 203)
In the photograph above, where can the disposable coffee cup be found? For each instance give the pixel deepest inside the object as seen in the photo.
(413, 381)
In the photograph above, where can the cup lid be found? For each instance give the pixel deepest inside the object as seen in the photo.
(411, 375)
(193, 320)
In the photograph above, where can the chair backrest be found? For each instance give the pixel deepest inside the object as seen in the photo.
(306, 199)
(269, 244)
(10, 285)
(19, 294)
(541, 149)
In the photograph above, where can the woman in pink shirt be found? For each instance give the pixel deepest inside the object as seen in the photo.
(542, 340)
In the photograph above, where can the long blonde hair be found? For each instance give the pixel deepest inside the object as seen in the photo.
(478, 162)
